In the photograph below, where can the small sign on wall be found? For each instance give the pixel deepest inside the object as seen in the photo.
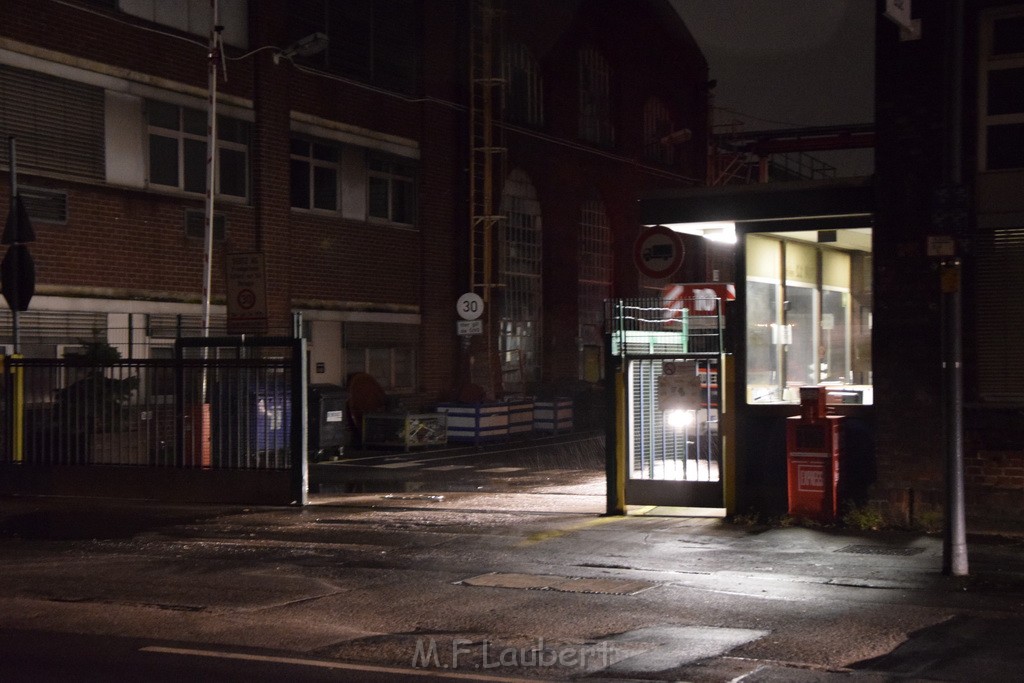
(246, 293)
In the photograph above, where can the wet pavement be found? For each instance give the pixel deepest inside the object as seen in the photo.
(470, 574)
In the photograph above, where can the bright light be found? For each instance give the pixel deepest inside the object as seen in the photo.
(678, 419)
(716, 231)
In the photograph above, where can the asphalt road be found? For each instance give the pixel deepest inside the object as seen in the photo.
(499, 582)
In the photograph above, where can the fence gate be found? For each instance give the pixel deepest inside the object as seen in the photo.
(667, 450)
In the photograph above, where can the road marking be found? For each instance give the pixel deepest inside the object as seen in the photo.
(542, 536)
(433, 672)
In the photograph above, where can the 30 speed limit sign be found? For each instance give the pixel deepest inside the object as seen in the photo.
(470, 306)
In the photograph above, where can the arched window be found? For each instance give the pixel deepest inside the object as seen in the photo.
(657, 124)
(595, 98)
(595, 285)
(524, 89)
(522, 301)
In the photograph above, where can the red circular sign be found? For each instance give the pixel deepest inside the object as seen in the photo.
(658, 252)
(246, 299)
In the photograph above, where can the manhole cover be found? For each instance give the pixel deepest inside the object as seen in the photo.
(879, 550)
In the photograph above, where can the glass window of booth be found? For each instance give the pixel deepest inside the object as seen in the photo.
(808, 310)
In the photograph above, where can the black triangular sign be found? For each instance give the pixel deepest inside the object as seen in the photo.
(18, 277)
(19, 228)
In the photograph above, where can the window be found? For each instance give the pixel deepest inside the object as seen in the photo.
(387, 352)
(808, 308)
(522, 304)
(524, 90)
(57, 124)
(177, 150)
(315, 172)
(595, 98)
(657, 124)
(374, 41)
(595, 278)
(1000, 371)
(1001, 106)
(193, 16)
(391, 188)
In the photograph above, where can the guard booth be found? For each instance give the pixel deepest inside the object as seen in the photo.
(665, 441)
(802, 264)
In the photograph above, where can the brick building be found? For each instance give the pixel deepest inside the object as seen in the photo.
(952, 173)
(347, 169)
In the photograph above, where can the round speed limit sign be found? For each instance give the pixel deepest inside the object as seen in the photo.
(470, 306)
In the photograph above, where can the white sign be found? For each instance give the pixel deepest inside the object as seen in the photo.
(679, 386)
(467, 328)
(246, 293)
(658, 252)
(470, 306)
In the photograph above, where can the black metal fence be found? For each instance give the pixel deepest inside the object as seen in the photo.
(185, 412)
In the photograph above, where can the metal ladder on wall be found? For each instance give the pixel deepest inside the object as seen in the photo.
(487, 173)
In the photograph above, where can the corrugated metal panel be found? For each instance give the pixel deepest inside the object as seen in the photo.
(55, 326)
(170, 325)
(1000, 311)
(58, 124)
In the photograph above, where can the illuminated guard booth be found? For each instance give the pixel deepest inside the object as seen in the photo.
(802, 268)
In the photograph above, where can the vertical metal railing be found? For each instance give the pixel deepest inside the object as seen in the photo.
(139, 413)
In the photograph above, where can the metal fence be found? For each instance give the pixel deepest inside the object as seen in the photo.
(652, 326)
(184, 412)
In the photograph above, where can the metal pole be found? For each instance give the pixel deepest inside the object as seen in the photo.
(211, 184)
(15, 328)
(211, 165)
(954, 560)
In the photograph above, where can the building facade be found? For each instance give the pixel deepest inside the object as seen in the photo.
(950, 168)
(346, 169)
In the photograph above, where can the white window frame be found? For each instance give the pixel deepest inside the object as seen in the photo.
(595, 275)
(312, 164)
(180, 136)
(391, 175)
(521, 276)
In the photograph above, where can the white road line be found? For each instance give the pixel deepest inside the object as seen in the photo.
(218, 654)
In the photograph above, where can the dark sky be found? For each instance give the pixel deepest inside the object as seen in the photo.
(789, 63)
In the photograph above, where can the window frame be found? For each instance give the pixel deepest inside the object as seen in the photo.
(521, 269)
(786, 348)
(595, 116)
(312, 164)
(987, 64)
(595, 281)
(523, 104)
(391, 382)
(656, 125)
(180, 135)
(391, 176)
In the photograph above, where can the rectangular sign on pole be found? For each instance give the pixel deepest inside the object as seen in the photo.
(468, 328)
(245, 276)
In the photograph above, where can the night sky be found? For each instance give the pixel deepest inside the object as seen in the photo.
(790, 64)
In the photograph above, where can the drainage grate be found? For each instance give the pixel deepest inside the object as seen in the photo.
(880, 550)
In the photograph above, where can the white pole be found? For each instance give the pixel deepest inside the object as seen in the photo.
(211, 164)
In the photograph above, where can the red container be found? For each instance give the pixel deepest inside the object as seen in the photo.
(812, 462)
